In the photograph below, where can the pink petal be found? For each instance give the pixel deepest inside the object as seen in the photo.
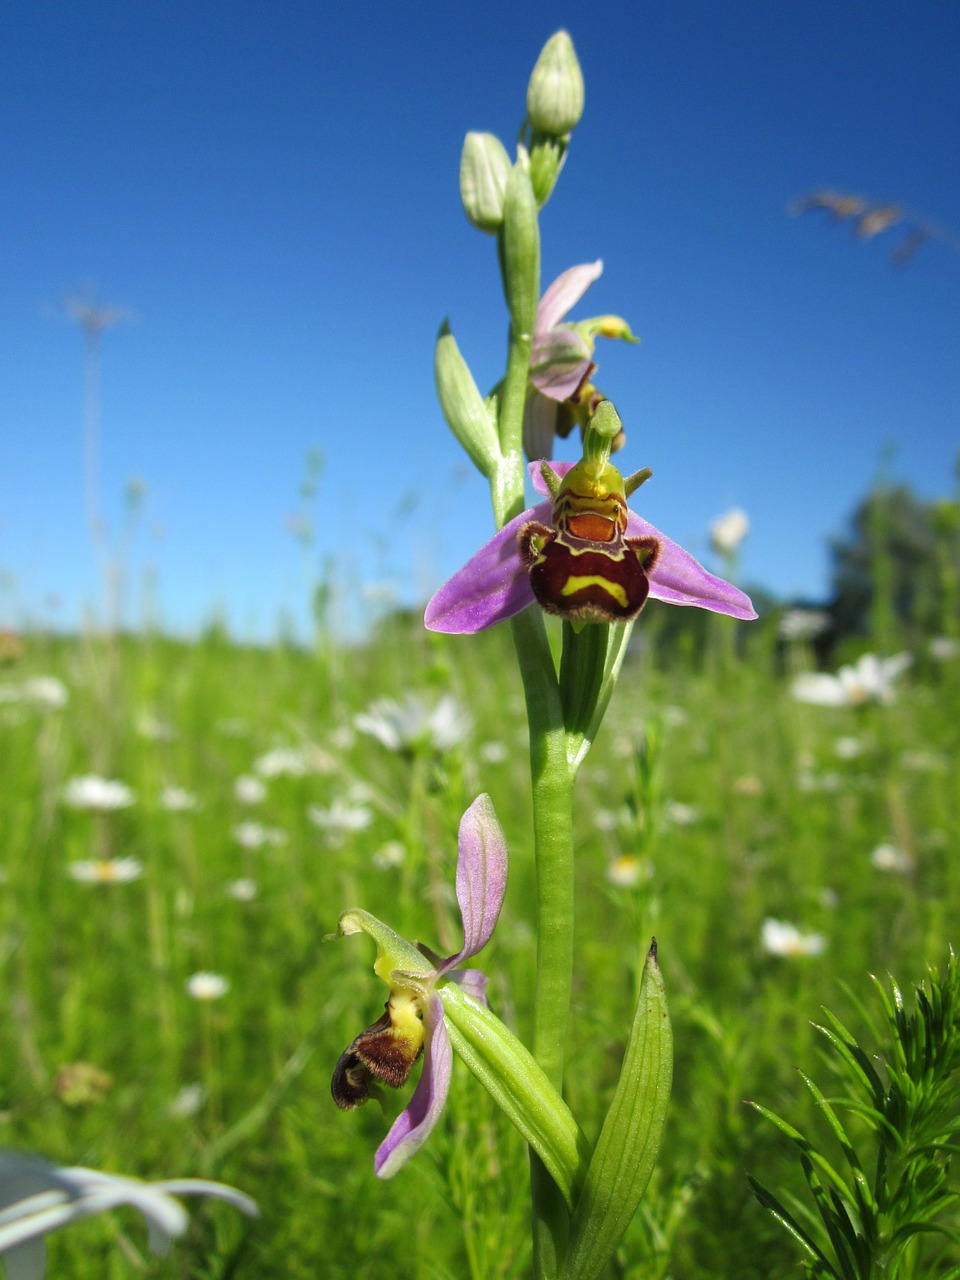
(491, 586)
(481, 877)
(558, 362)
(567, 290)
(679, 579)
(415, 1123)
(539, 426)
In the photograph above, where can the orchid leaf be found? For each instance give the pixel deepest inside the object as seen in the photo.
(629, 1141)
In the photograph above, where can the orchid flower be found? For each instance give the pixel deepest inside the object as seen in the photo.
(583, 555)
(561, 361)
(414, 1021)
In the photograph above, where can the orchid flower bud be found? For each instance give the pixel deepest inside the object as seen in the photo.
(555, 91)
(484, 165)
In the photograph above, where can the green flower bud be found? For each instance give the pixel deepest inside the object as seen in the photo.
(484, 165)
(555, 91)
(547, 154)
(468, 415)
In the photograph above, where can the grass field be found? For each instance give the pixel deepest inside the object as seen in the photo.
(712, 802)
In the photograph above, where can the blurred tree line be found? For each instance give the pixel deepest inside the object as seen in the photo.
(895, 583)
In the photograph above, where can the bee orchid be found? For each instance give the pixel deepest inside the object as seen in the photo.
(414, 1021)
(582, 554)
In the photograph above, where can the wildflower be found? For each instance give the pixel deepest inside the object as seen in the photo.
(80, 1084)
(105, 870)
(188, 1101)
(391, 854)
(249, 790)
(887, 857)
(628, 871)
(341, 817)
(207, 986)
(870, 679)
(257, 835)
(37, 1197)
(242, 890)
(800, 626)
(561, 362)
(728, 531)
(597, 563)
(153, 729)
(747, 785)
(493, 752)
(782, 939)
(45, 691)
(92, 792)
(413, 1023)
(555, 91)
(678, 814)
(943, 648)
(178, 800)
(408, 725)
(848, 748)
(288, 762)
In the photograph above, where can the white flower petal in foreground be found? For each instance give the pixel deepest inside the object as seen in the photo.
(93, 792)
(207, 986)
(782, 939)
(870, 679)
(36, 1198)
(105, 870)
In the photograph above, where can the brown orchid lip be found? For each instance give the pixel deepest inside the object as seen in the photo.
(381, 1052)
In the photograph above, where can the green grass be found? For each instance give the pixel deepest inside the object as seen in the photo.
(97, 973)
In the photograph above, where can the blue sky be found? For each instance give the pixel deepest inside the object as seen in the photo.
(272, 190)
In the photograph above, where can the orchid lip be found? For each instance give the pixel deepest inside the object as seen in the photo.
(494, 584)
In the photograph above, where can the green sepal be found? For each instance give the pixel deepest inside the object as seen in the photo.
(605, 327)
(394, 954)
(519, 247)
(593, 654)
(547, 155)
(630, 1138)
(519, 1086)
(467, 415)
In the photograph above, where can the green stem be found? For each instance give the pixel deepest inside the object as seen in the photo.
(552, 777)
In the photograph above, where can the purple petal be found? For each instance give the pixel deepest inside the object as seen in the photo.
(539, 426)
(491, 586)
(567, 290)
(473, 982)
(481, 877)
(679, 579)
(558, 362)
(538, 482)
(415, 1123)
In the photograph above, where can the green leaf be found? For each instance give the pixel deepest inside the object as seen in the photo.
(789, 1223)
(629, 1141)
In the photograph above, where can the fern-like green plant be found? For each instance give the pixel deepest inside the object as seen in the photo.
(887, 1206)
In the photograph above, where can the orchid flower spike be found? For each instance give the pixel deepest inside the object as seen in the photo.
(413, 1023)
(583, 554)
(561, 362)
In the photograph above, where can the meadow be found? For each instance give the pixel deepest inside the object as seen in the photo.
(258, 808)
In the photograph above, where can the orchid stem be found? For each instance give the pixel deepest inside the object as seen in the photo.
(551, 775)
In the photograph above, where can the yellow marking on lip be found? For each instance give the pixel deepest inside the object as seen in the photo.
(577, 583)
